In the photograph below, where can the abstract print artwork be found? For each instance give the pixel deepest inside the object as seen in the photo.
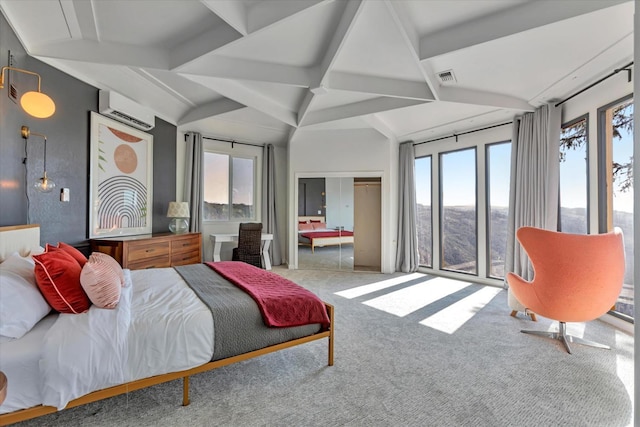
(121, 179)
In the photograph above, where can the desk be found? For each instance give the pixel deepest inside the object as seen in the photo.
(219, 238)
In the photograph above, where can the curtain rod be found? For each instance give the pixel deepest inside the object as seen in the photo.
(613, 73)
(456, 135)
(230, 141)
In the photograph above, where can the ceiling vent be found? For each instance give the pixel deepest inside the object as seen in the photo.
(447, 77)
(123, 109)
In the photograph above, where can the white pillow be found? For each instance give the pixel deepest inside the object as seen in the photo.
(22, 266)
(21, 303)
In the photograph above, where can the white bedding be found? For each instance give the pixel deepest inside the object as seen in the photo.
(159, 326)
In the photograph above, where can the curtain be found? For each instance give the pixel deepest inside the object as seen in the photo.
(194, 179)
(533, 195)
(407, 256)
(269, 215)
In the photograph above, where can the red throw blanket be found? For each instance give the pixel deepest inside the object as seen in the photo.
(281, 302)
(316, 234)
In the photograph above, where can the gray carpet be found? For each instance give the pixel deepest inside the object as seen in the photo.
(393, 371)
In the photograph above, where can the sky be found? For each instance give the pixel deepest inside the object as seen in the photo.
(216, 181)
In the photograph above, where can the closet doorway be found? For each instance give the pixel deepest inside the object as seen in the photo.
(327, 208)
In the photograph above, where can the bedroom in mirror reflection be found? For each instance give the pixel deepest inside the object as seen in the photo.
(330, 210)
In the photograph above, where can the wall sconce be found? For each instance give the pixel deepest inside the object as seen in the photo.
(44, 184)
(36, 104)
(179, 214)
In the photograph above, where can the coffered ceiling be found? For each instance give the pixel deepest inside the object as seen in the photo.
(269, 70)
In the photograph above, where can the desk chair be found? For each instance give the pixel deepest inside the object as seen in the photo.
(249, 248)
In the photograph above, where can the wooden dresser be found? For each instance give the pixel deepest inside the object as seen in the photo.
(152, 250)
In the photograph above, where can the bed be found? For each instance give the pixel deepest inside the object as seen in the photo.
(313, 231)
(133, 345)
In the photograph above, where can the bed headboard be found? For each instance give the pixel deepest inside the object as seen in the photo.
(18, 238)
(312, 217)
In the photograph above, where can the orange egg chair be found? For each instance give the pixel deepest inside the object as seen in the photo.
(577, 277)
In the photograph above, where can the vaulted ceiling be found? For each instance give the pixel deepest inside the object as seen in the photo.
(268, 70)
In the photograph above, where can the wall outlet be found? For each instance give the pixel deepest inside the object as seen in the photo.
(64, 195)
(319, 212)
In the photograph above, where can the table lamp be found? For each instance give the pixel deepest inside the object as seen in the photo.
(179, 214)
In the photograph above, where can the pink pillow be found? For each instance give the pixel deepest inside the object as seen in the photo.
(58, 278)
(101, 281)
(76, 254)
(319, 226)
(305, 227)
(111, 262)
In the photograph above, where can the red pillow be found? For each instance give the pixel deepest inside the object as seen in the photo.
(315, 220)
(76, 254)
(58, 278)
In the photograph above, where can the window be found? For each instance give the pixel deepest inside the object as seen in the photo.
(616, 185)
(458, 218)
(229, 184)
(498, 179)
(574, 169)
(423, 201)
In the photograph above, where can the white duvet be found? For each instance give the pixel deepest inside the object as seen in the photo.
(159, 326)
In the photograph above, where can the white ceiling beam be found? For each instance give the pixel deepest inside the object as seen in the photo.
(264, 14)
(351, 11)
(240, 93)
(402, 20)
(103, 53)
(379, 125)
(201, 45)
(347, 19)
(84, 14)
(507, 22)
(357, 109)
(242, 69)
(381, 86)
(477, 97)
(211, 109)
(305, 105)
(71, 18)
(232, 12)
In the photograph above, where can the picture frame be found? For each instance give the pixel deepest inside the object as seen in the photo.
(121, 179)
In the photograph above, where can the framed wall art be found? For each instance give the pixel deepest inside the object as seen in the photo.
(121, 181)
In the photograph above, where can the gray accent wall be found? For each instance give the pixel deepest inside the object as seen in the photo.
(68, 136)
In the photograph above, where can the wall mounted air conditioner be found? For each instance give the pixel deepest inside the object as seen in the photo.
(123, 109)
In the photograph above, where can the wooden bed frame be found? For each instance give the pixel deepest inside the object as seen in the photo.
(323, 241)
(20, 239)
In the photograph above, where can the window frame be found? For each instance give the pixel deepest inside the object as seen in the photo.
(588, 213)
(441, 154)
(242, 153)
(487, 161)
(430, 156)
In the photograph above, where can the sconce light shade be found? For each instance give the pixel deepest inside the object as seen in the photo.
(44, 184)
(37, 104)
(179, 214)
(34, 103)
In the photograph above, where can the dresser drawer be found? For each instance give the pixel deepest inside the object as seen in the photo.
(141, 251)
(184, 258)
(186, 244)
(158, 262)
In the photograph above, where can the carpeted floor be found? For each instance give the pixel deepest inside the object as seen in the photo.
(395, 371)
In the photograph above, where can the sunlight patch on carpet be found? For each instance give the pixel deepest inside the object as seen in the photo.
(408, 300)
(377, 286)
(451, 318)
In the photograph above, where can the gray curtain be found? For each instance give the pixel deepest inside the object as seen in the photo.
(194, 179)
(533, 195)
(269, 215)
(407, 256)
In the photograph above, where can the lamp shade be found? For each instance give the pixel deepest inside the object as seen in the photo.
(37, 104)
(178, 210)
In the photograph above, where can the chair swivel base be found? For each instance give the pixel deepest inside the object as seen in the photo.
(566, 339)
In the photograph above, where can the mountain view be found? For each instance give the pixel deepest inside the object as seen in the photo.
(459, 240)
(220, 211)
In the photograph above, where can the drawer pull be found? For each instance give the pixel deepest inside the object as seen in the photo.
(149, 250)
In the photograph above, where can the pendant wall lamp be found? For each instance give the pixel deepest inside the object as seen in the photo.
(34, 103)
(44, 184)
